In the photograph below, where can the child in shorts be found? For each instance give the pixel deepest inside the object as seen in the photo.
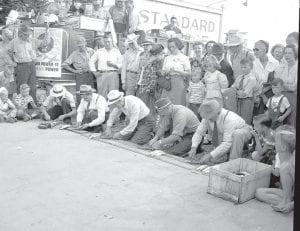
(26, 107)
(7, 108)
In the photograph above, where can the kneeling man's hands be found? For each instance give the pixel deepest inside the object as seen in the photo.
(117, 136)
(84, 126)
(205, 159)
(156, 145)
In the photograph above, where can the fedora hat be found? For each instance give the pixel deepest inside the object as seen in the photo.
(162, 103)
(24, 86)
(217, 48)
(81, 41)
(156, 49)
(131, 38)
(25, 29)
(114, 96)
(57, 91)
(85, 89)
(233, 40)
(147, 41)
(99, 34)
(209, 109)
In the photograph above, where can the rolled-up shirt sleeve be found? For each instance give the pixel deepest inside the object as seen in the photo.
(92, 62)
(48, 101)
(133, 120)
(101, 109)
(226, 144)
(200, 132)
(80, 111)
(112, 117)
(119, 59)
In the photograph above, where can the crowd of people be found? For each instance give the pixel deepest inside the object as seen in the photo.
(241, 102)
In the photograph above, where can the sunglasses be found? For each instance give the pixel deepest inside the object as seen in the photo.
(255, 49)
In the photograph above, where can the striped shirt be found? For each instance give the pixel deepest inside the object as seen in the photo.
(21, 101)
(196, 92)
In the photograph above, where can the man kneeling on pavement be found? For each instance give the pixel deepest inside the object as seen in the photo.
(230, 133)
(141, 123)
(59, 105)
(179, 123)
(92, 111)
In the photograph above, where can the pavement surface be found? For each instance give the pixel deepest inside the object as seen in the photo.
(59, 180)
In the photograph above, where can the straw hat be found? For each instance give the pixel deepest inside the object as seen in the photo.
(233, 40)
(85, 90)
(57, 91)
(114, 96)
(147, 41)
(131, 38)
(209, 109)
(81, 41)
(162, 103)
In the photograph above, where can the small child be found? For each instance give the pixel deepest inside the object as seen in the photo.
(278, 106)
(245, 85)
(282, 200)
(26, 107)
(264, 140)
(7, 108)
(196, 92)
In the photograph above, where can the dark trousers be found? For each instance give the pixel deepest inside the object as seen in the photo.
(25, 73)
(195, 107)
(57, 110)
(86, 78)
(143, 131)
(92, 115)
(181, 147)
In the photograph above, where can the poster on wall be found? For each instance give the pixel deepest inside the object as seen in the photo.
(49, 51)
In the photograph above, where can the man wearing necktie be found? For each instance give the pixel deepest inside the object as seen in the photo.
(230, 133)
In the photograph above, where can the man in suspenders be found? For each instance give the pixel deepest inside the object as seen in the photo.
(230, 133)
(92, 111)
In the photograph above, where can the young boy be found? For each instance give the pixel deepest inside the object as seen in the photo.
(278, 106)
(245, 85)
(26, 107)
(7, 108)
(196, 92)
(282, 200)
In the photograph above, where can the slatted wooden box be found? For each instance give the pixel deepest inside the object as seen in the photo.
(225, 183)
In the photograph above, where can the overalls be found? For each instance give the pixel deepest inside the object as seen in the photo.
(274, 113)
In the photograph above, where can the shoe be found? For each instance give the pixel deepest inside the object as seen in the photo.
(11, 120)
(44, 125)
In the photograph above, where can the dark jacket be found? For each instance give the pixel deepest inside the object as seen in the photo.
(227, 70)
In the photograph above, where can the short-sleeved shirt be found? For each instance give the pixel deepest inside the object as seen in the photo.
(23, 101)
(182, 121)
(197, 92)
(178, 62)
(275, 101)
(80, 60)
(52, 101)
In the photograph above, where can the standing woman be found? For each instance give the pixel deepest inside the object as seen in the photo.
(287, 71)
(6, 62)
(277, 52)
(177, 68)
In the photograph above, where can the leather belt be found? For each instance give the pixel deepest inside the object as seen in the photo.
(108, 71)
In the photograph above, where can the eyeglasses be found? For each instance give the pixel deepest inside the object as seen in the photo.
(255, 49)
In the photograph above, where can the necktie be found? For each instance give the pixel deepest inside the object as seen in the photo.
(241, 84)
(215, 137)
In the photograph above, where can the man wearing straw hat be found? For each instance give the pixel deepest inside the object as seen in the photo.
(230, 133)
(109, 62)
(92, 111)
(24, 55)
(236, 52)
(177, 126)
(78, 63)
(130, 65)
(59, 105)
(141, 123)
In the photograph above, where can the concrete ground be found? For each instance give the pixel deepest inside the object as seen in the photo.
(58, 180)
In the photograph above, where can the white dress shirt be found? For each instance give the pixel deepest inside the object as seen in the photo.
(134, 109)
(98, 103)
(101, 56)
(226, 127)
(261, 72)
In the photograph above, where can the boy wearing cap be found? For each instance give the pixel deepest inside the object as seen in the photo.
(59, 105)
(177, 121)
(78, 63)
(141, 123)
(26, 107)
(7, 108)
(92, 111)
(229, 133)
(130, 65)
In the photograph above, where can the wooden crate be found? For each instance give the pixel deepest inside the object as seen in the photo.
(225, 183)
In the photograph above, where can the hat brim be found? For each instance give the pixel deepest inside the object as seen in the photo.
(86, 92)
(53, 94)
(132, 40)
(232, 44)
(109, 103)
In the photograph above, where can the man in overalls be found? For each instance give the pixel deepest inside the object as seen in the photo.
(230, 133)
(92, 111)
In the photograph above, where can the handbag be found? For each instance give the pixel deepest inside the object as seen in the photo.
(163, 82)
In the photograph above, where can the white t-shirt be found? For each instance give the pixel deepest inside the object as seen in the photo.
(275, 101)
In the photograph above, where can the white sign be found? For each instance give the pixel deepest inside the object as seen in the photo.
(49, 51)
(199, 24)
